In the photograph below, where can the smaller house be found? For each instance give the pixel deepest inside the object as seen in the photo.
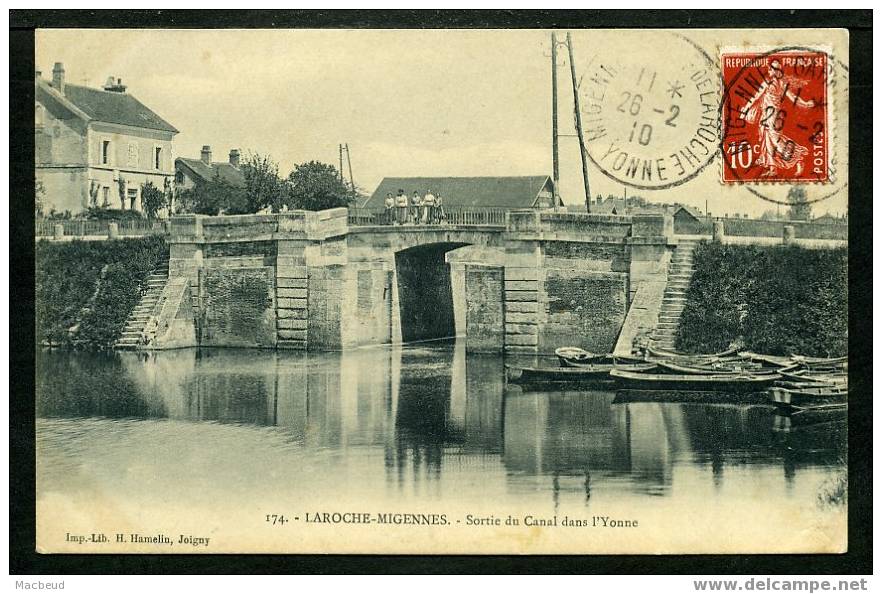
(830, 219)
(189, 171)
(689, 221)
(513, 192)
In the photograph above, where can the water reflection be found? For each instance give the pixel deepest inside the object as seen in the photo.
(431, 415)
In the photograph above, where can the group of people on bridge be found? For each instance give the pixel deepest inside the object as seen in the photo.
(416, 210)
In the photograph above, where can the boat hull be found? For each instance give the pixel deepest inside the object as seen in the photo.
(808, 398)
(704, 383)
(584, 374)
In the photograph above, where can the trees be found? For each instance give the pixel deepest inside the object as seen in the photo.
(310, 186)
(152, 200)
(800, 207)
(212, 197)
(317, 186)
(39, 193)
(263, 187)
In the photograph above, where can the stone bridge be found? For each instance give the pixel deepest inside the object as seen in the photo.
(311, 280)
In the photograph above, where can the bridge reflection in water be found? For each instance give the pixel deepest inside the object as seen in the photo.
(437, 420)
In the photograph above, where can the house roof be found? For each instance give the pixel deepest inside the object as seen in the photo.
(112, 107)
(694, 213)
(509, 192)
(199, 169)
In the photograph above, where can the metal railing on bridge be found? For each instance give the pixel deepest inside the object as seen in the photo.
(447, 215)
(93, 228)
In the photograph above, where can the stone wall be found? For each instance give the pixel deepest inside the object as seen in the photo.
(238, 307)
(484, 312)
(582, 308)
(366, 309)
(324, 299)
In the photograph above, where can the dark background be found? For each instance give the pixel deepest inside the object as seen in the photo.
(24, 560)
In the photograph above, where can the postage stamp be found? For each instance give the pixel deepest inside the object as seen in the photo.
(775, 125)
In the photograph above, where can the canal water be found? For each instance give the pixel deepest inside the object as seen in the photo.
(211, 442)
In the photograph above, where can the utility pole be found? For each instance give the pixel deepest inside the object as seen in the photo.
(578, 110)
(555, 158)
(340, 146)
(349, 162)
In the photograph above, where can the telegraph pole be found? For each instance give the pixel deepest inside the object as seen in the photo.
(582, 152)
(555, 158)
(349, 162)
(340, 146)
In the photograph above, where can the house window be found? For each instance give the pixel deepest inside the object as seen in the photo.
(105, 152)
(105, 196)
(132, 195)
(157, 157)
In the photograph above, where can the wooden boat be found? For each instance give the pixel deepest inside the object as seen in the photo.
(721, 382)
(804, 398)
(588, 373)
(772, 360)
(576, 357)
(804, 375)
(821, 361)
(714, 368)
(666, 354)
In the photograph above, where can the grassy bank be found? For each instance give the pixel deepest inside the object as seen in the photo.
(778, 300)
(91, 287)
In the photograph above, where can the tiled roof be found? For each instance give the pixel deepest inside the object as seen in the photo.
(115, 108)
(224, 170)
(510, 192)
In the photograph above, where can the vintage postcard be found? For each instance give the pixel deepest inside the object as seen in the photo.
(521, 291)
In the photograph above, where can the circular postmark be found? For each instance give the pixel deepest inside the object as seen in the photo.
(779, 123)
(650, 118)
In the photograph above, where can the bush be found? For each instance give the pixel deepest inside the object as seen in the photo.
(778, 300)
(67, 275)
(113, 214)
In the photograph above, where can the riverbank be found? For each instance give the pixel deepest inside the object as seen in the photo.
(777, 300)
(85, 290)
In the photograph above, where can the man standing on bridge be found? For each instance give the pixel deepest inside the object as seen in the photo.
(415, 204)
(388, 214)
(401, 207)
(429, 207)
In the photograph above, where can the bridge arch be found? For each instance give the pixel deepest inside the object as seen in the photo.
(425, 292)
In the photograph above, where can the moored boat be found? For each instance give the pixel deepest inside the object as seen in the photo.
(588, 373)
(804, 398)
(668, 354)
(771, 360)
(722, 382)
(714, 368)
(805, 375)
(577, 357)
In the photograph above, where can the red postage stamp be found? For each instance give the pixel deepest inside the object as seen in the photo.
(774, 116)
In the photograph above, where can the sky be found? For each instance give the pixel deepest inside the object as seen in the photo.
(407, 102)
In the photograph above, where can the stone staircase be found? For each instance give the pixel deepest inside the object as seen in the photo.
(155, 283)
(674, 300)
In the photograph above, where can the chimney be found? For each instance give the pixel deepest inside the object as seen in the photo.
(58, 77)
(206, 154)
(234, 158)
(114, 86)
(599, 199)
